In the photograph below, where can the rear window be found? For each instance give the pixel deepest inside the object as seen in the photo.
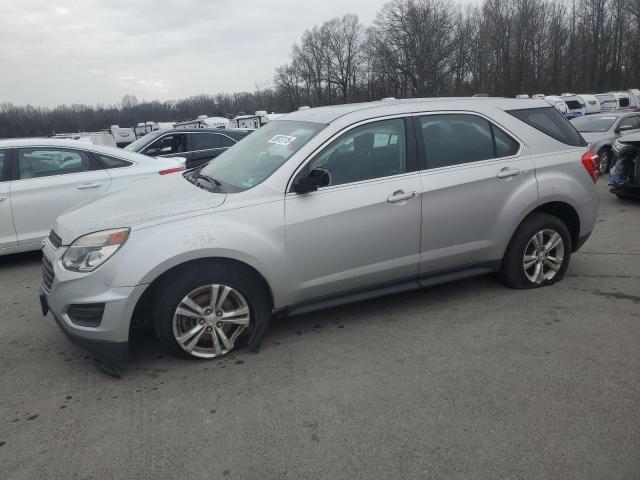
(552, 123)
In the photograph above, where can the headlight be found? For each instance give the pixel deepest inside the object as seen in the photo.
(90, 251)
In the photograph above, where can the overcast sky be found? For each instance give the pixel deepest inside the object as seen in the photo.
(95, 51)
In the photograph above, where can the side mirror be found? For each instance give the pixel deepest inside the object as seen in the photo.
(624, 128)
(317, 178)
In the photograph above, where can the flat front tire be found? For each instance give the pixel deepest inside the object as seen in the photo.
(208, 310)
(538, 254)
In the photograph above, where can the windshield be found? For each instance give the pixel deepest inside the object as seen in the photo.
(137, 145)
(593, 123)
(258, 155)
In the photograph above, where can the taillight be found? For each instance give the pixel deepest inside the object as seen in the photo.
(171, 170)
(591, 162)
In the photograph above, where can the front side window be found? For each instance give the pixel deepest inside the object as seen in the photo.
(205, 141)
(630, 122)
(260, 154)
(46, 162)
(373, 150)
(167, 145)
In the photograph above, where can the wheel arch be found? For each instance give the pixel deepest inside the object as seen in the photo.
(565, 212)
(141, 314)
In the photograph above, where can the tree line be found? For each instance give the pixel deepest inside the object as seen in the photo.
(414, 48)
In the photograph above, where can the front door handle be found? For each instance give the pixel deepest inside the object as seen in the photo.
(89, 185)
(507, 172)
(400, 196)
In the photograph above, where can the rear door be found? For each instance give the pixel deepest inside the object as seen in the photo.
(7, 229)
(476, 182)
(46, 182)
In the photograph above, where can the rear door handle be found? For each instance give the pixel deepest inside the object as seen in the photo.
(89, 185)
(507, 172)
(400, 196)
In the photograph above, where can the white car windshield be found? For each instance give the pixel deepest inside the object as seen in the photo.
(258, 155)
(593, 123)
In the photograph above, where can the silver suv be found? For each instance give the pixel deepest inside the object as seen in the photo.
(319, 208)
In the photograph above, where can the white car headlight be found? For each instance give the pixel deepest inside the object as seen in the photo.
(90, 251)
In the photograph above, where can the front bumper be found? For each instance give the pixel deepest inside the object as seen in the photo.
(107, 342)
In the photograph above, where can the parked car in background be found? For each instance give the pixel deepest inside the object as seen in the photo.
(197, 145)
(624, 177)
(41, 178)
(591, 102)
(635, 93)
(608, 102)
(575, 105)
(319, 208)
(602, 130)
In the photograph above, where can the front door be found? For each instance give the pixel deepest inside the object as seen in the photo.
(362, 230)
(48, 181)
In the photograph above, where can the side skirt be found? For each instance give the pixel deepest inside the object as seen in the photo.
(366, 293)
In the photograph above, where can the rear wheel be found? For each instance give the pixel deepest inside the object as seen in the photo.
(209, 310)
(538, 253)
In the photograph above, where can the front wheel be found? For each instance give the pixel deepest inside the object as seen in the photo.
(207, 311)
(538, 253)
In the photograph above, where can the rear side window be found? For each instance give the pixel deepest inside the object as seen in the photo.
(552, 123)
(112, 162)
(205, 141)
(454, 139)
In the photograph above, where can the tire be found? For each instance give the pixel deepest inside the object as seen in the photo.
(606, 157)
(175, 316)
(522, 251)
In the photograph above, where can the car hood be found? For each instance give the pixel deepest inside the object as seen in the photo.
(168, 196)
(592, 137)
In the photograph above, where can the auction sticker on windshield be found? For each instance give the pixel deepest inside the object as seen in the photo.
(282, 139)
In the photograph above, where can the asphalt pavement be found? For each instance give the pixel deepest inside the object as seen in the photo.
(469, 380)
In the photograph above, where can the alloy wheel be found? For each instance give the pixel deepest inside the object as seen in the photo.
(543, 256)
(209, 320)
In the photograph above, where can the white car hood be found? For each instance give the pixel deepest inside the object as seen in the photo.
(140, 203)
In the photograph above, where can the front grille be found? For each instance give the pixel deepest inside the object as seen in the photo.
(47, 274)
(55, 240)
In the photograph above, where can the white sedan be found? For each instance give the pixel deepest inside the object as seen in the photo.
(41, 178)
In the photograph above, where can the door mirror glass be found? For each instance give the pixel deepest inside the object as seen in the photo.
(317, 178)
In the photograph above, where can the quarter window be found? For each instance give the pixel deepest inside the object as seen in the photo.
(550, 122)
(112, 162)
(46, 162)
(370, 151)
